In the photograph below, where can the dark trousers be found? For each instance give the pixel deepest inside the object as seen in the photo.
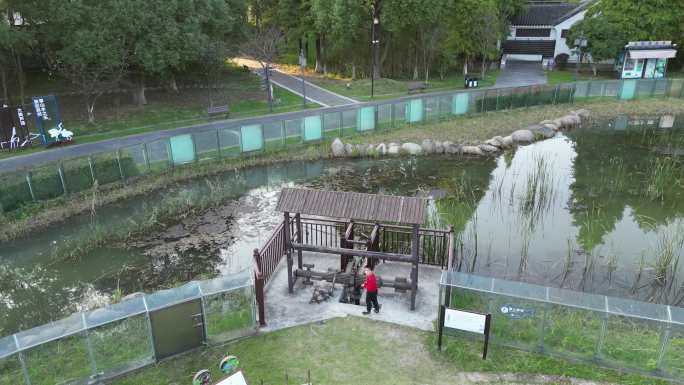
(372, 301)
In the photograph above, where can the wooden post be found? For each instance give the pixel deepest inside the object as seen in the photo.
(288, 250)
(348, 234)
(414, 271)
(298, 222)
(259, 288)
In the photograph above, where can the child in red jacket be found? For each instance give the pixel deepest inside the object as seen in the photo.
(371, 286)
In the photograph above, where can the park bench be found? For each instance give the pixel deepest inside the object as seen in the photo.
(218, 111)
(416, 87)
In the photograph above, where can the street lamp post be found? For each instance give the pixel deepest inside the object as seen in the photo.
(374, 43)
(302, 65)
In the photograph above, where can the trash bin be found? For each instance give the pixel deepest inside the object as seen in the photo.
(471, 82)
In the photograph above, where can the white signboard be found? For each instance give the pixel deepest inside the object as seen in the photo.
(235, 379)
(461, 320)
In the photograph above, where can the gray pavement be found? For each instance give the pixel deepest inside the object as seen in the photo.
(520, 73)
(285, 310)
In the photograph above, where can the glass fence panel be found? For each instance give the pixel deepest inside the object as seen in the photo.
(158, 154)
(645, 87)
(628, 88)
(206, 145)
(519, 97)
(10, 371)
(122, 345)
(331, 124)
(229, 141)
(661, 87)
(251, 138)
(676, 88)
(571, 332)
(673, 362)
(611, 88)
(106, 168)
(384, 116)
(581, 90)
(399, 114)
(7, 346)
(273, 135)
(431, 108)
(460, 103)
(444, 106)
(546, 95)
(365, 118)
(517, 322)
(115, 312)
(172, 296)
(632, 343)
(595, 89)
(566, 94)
(77, 174)
(46, 183)
(349, 122)
(312, 130)
(182, 149)
(61, 361)
(133, 160)
(415, 110)
(230, 314)
(293, 131)
(14, 191)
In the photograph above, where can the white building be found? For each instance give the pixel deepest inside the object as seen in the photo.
(540, 33)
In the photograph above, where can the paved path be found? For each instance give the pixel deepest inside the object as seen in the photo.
(521, 73)
(293, 84)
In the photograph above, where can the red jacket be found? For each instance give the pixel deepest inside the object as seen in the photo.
(371, 284)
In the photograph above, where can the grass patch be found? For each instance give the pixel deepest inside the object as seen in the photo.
(361, 351)
(568, 75)
(385, 88)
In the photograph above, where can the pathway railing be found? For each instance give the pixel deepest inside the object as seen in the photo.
(271, 133)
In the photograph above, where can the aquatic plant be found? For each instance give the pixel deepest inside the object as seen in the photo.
(662, 174)
(667, 254)
(539, 192)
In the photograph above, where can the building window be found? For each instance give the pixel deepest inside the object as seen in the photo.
(564, 33)
(532, 32)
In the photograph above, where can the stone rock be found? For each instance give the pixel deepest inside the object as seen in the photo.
(548, 131)
(522, 136)
(666, 121)
(393, 149)
(348, 149)
(412, 148)
(428, 146)
(451, 148)
(488, 148)
(583, 113)
(472, 150)
(361, 149)
(543, 122)
(558, 122)
(567, 121)
(551, 126)
(381, 149)
(507, 141)
(496, 141)
(337, 148)
(439, 148)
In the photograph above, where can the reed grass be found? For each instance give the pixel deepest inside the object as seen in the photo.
(664, 173)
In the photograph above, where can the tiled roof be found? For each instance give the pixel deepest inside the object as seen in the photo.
(547, 13)
(348, 205)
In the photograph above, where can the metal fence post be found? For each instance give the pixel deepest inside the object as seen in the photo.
(218, 144)
(30, 186)
(22, 361)
(664, 339)
(341, 121)
(149, 325)
(283, 133)
(89, 345)
(392, 113)
(60, 171)
(146, 156)
(92, 169)
(169, 151)
(118, 161)
(498, 92)
(598, 354)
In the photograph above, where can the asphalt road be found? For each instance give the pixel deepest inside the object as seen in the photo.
(520, 73)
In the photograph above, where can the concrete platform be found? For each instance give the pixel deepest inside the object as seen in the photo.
(285, 310)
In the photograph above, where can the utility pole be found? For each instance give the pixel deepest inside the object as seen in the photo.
(374, 43)
(302, 65)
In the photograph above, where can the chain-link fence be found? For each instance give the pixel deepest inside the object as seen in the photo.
(103, 343)
(618, 333)
(270, 133)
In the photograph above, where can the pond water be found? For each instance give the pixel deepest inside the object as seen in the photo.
(600, 210)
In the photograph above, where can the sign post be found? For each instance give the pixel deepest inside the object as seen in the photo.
(471, 322)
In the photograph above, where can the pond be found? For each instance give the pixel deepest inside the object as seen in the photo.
(600, 210)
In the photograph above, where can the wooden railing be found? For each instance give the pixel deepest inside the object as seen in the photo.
(271, 253)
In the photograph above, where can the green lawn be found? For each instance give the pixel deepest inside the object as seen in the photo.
(361, 351)
(568, 75)
(160, 116)
(385, 88)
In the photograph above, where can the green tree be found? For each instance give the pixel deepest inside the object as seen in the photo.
(604, 39)
(16, 40)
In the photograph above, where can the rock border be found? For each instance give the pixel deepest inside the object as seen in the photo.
(545, 129)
